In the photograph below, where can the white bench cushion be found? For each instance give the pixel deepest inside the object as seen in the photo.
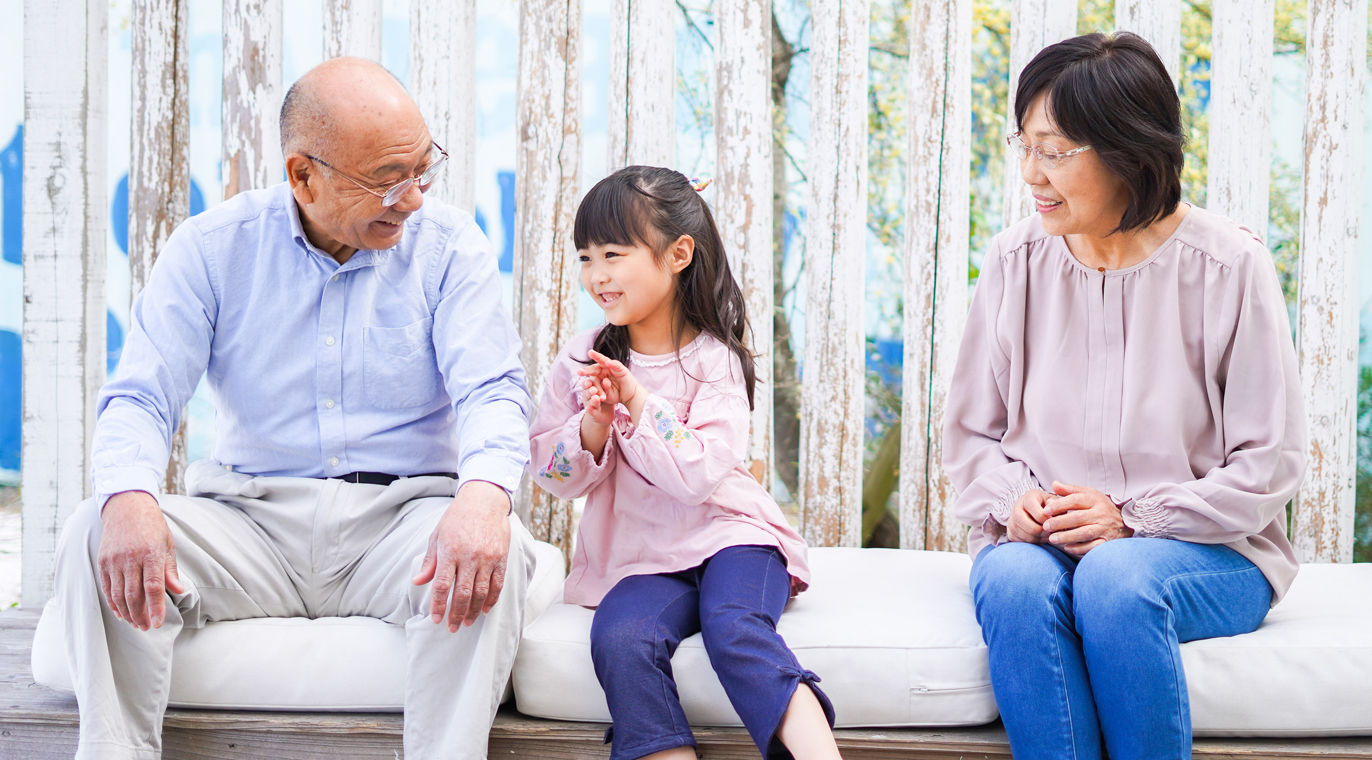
(892, 634)
(353, 664)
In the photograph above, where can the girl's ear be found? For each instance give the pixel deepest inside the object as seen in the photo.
(680, 253)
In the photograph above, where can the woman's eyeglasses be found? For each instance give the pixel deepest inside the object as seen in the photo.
(1046, 154)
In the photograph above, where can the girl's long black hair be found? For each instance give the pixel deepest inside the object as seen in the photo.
(654, 207)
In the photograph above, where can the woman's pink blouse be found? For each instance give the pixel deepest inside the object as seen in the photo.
(669, 492)
(1171, 386)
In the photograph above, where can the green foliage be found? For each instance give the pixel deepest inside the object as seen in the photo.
(1362, 523)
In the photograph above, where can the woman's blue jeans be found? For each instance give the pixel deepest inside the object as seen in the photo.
(1085, 650)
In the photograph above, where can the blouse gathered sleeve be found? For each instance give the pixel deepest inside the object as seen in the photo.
(987, 480)
(1263, 419)
(689, 459)
(558, 463)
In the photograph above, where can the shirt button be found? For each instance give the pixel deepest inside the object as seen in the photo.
(328, 403)
(328, 341)
(333, 462)
(335, 278)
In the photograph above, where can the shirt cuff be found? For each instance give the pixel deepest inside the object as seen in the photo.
(569, 455)
(109, 481)
(1147, 517)
(994, 524)
(497, 470)
(659, 418)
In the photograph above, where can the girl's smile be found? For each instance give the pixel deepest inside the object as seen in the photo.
(637, 289)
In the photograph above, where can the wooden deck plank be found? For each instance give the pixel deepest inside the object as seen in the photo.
(38, 723)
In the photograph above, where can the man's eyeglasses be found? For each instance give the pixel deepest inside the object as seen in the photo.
(1046, 154)
(390, 195)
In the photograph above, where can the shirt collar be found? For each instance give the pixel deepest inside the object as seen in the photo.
(361, 258)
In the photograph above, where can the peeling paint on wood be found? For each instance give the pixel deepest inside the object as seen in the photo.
(936, 244)
(1327, 314)
(1240, 157)
(832, 385)
(159, 158)
(252, 95)
(743, 142)
(65, 212)
(641, 126)
(1159, 22)
(548, 175)
(443, 82)
(1034, 25)
(352, 27)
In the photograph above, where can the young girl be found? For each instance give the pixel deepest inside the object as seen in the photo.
(648, 416)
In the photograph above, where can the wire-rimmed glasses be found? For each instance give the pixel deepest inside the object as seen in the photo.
(391, 195)
(1046, 154)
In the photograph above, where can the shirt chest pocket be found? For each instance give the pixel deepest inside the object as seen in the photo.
(401, 368)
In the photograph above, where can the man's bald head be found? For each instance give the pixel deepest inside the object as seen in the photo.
(336, 100)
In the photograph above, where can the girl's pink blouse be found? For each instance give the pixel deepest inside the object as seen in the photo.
(1171, 386)
(669, 492)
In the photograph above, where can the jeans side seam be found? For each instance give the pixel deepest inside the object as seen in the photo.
(662, 677)
(1062, 668)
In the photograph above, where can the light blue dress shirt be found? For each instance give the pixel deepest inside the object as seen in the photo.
(400, 361)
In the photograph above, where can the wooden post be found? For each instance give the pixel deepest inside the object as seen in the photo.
(835, 261)
(743, 208)
(1034, 25)
(1159, 22)
(642, 114)
(1327, 315)
(936, 241)
(65, 74)
(443, 82)
(1240, 160)
(352, 27)
(159, 158)
(252, 95)
(547, 170)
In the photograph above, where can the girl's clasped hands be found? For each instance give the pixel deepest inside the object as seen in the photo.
(606, 384)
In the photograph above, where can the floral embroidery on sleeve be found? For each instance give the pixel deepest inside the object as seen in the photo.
(670, 427)
(559, 466)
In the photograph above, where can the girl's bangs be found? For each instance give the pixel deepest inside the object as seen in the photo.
(612, 213)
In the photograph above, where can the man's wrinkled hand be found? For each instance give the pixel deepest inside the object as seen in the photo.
(137, 559)
(467, 554)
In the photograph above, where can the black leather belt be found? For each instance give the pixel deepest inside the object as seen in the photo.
(385, 479)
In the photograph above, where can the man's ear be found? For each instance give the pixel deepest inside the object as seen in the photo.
(680, 254)
(300, 172)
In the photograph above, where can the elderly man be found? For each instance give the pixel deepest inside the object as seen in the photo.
(371, 415)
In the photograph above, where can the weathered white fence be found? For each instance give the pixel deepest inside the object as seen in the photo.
(64, 207)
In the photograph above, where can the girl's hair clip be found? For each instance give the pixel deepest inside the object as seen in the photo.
(699, 185)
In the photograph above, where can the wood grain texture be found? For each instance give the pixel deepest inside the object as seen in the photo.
(547, 180)
(641, 126)
(1034, 25)
(443, 83)
(352, 27)
(1240, 154)
(832, 386)
(1159, 22)
(251, 106)
(65, 211)
(937, 226)
(159, 157)
(743, 190)
(1327, 313)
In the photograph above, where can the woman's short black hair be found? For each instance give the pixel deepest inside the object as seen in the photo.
(1113, 93)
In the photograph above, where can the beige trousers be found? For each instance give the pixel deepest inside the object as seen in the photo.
(290, 547)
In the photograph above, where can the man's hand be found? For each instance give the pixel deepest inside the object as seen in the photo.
(1027, 516)
(1082, 519)
(137, 559)
(467, 555)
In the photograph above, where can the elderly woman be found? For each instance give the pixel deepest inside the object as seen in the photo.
(1125, 425)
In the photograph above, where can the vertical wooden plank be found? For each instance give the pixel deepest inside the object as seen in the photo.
(743, 140)
(642, 115)
(835, 261)
(1159, 22)
(251, 107)
(352, 27)
(1327, 315)
(1034, 25)
(547, 179)
(159, 158)
(443, 82)
(937, 226)
(1240, 161)
(64, 197)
